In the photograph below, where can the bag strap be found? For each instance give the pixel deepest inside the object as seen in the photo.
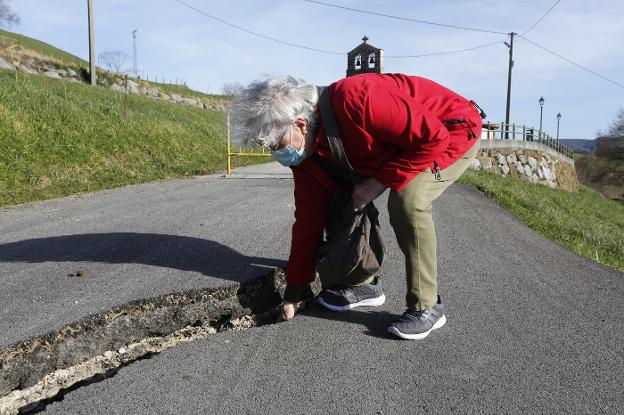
(333, 133)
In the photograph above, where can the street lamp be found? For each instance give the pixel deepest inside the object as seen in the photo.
(541, 102)
(558, 119)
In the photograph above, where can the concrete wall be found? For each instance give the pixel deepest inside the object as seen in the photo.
(532, 161)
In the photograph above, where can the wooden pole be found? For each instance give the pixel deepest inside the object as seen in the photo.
(508, 106)
(126, 98)
(92, 73)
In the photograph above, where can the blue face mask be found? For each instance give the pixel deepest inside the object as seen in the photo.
(289, 156)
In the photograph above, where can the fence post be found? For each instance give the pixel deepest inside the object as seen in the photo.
(126, 98)
(229, 157)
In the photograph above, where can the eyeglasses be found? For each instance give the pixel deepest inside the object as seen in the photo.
(278, 144)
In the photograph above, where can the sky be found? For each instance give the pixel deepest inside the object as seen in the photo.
(176, 42)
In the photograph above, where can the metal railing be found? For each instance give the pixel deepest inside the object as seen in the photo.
(502, 131)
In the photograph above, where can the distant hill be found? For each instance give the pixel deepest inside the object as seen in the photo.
(579, 145)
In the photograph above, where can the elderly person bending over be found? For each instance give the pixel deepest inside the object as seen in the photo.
(405, 133)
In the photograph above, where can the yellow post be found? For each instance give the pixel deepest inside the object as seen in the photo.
(229, 156)
(240, 152)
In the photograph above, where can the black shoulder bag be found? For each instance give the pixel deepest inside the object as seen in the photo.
(354, 248)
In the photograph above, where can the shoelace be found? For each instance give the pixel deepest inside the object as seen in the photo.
(414, 313)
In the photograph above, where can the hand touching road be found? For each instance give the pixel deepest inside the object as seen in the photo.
(290, 309)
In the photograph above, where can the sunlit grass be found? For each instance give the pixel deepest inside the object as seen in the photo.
(584, 222)
(59, 138)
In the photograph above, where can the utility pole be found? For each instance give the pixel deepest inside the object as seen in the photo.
(134, 54)
(510, 46)
(92, 73)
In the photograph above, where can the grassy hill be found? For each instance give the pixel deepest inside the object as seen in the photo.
(8, 39)
(19, 48)
(583, 146)
(58, 138)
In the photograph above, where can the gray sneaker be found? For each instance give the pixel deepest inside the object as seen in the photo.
(346, 298)
(416, 325)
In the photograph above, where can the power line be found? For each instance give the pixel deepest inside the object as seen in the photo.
(404, 56)
(283, 42)
(322, 50)
(444, 53)
(572, 62)
(542, 18)
(405, 18)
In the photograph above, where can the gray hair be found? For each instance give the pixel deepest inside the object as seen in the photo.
(266, 108)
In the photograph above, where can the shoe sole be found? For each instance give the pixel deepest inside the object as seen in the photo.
(371, 302)
(418, 336)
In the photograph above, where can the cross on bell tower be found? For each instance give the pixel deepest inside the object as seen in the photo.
(364, 59)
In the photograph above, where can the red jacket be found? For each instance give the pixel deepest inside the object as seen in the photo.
(392, 129)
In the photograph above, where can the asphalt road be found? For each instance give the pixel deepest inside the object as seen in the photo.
(531, 326)
(138, 242)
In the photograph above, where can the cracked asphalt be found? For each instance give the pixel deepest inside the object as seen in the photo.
(532, 327)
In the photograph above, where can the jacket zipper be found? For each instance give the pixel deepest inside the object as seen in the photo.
(438, 176)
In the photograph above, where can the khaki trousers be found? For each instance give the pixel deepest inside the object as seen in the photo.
(412, 221)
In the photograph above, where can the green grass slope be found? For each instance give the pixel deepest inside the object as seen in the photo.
(59, 138)
(44, 49)
(584, 222)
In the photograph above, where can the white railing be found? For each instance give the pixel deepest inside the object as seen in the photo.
(502, 131)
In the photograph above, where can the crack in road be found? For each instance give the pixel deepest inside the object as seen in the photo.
(34, 372)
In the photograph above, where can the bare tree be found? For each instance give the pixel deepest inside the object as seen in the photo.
(113, 60)
(7, 15)
(616, 128)
(231, 88)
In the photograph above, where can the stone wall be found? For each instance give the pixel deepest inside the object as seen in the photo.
(116, 82)
(531, 161)
(149, 90)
